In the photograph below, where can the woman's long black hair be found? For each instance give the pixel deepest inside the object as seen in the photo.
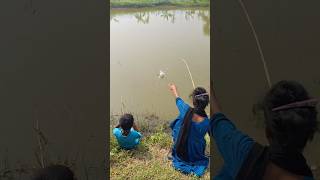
(199, 103)
(290, 128)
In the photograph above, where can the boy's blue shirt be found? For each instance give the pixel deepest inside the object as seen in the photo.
(127, 142)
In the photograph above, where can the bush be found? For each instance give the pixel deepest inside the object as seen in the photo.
(161, 139)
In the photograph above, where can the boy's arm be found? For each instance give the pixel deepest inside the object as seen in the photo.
(136, 132)
(139, 135)
(135, 126)
(116, 131)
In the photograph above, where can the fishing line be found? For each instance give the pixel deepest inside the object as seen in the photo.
(162, 74)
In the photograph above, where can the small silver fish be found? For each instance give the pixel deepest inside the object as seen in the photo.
(161, 74)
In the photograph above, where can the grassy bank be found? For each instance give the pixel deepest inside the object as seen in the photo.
(149, 160)
(155, 3)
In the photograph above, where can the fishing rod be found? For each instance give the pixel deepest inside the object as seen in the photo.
(185, 62)
(162, 74)
(266, 71)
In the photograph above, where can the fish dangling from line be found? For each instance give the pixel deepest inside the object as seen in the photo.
(161, 74)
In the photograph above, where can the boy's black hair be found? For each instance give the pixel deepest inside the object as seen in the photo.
(199, 103)
(54, 172)
(289, 128)
(126, 123)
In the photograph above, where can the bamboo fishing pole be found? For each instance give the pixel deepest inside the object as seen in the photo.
(266, 71)
(185, 62)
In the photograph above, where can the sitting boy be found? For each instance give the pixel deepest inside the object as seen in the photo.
(127, 133)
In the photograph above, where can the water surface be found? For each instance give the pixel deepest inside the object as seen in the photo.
(145, 41)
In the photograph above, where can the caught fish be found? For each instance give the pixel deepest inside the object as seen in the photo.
(161, 74)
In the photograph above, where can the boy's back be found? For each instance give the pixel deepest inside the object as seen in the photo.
(127, 142)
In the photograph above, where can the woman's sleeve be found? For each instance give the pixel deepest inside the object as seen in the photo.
(233, 145)
(182, 106)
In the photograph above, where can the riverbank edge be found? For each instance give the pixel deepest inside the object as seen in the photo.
(155, 5)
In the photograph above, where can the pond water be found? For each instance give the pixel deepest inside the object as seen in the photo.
(145, 41)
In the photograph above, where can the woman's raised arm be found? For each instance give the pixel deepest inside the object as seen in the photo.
(173, 89)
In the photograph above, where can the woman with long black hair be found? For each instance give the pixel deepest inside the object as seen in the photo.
(291, 121)
(188, 132)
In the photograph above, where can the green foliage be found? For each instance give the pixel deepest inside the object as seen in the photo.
(161, 139)
(116, 155)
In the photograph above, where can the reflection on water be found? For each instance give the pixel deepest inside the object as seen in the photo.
(143, 16)
(206, 25)
(168, 16)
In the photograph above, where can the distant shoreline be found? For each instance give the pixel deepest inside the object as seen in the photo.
(135, 4)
